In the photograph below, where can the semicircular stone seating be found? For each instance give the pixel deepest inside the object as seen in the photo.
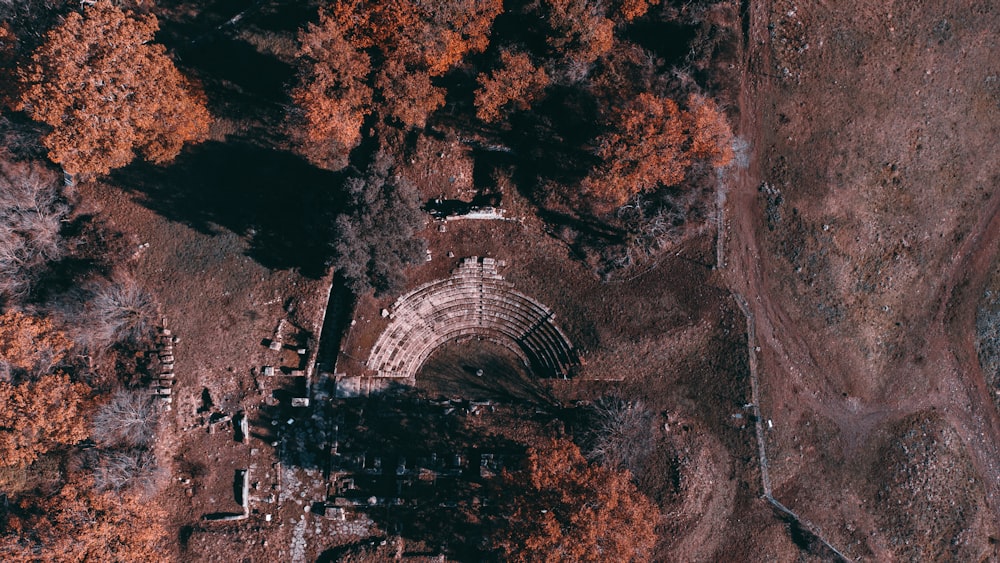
(474, 302)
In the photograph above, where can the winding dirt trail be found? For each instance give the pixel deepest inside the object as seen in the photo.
(788, 355)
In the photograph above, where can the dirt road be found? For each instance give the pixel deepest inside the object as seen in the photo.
(848, 394)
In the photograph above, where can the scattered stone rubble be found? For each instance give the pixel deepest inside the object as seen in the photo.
(164, 378)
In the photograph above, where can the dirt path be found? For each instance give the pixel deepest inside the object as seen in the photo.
(954, 330)
(793, 362)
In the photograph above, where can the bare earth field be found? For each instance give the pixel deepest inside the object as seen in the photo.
(221, 304)
(862, 237)
(668, 335)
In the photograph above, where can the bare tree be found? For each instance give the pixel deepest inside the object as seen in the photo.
(622, 433)
(134, 469)
(31, 213)
(129, 420)
(122, 311)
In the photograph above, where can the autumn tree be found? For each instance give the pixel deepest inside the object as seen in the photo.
(39, 415)
(412, 42)
(516, 83)
(333, 96)
(632, 9)
(432, 36)
(81, 523)
(711, 137)
(644, 150)
(29, 345)
(109, 92)
(651, 143)
(561, 508)
(579, 33)
(407, 96)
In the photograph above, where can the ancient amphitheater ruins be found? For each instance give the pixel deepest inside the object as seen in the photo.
(474, 302)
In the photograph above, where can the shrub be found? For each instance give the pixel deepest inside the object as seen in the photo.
(122, 312)
(621, 433)
(31, 214)
(128, 420)
(134, 470)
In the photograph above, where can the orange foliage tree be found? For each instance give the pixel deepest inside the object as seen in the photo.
(413, 41)
(711, 137)
(644, 149)
(39, 415)
(433, 36)
(81, 524)
(632, 9)
(580, 29)
(30, 344)
(408, 96)
(43, 410)
(109, 92)
(652, 143)
(561, 508)
(333, 96)
(517, 82)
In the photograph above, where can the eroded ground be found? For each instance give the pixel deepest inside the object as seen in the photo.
(862, 236)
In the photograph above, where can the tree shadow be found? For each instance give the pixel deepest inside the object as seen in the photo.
(420, 468)
(284, 205)
(240, 66)
(241, 80)
(247, 184)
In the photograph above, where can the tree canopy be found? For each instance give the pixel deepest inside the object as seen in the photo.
(109, 92)
(38, 415)
(378, 237)
(561, 508)
(333, 96)
(30, 345)
(412, 42)
(651, 143)
(517, 82)
(80, 523)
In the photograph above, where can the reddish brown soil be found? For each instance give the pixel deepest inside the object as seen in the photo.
(669, 334)
(863, 260)
(222, 304)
